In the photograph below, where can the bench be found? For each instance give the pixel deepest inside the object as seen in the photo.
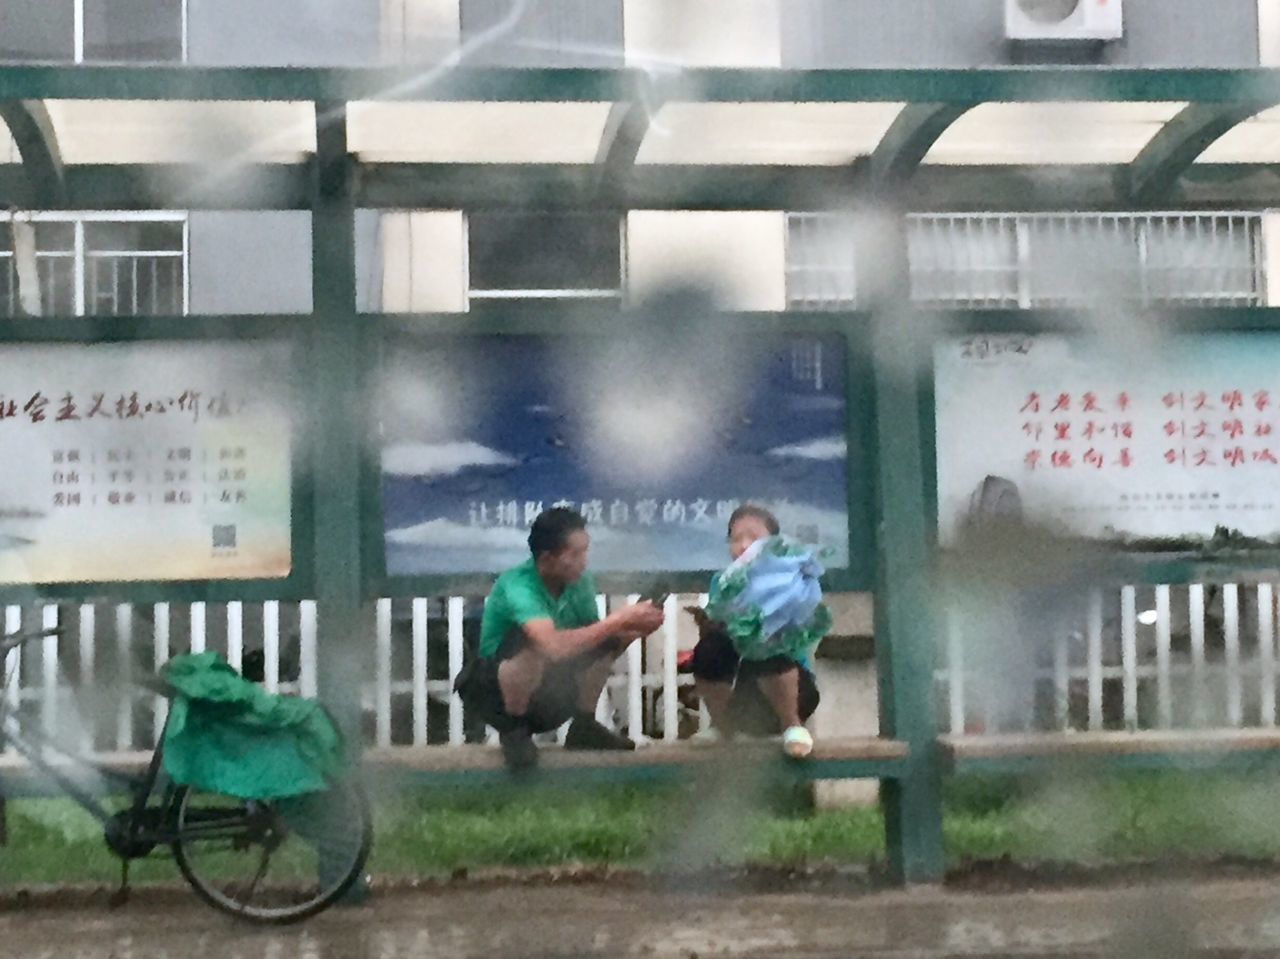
(844, 758)
(866, 757)
(1236, 750)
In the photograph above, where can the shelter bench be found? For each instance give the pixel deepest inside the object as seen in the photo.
(1031, 753)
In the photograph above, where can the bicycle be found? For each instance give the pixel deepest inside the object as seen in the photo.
(317, 843)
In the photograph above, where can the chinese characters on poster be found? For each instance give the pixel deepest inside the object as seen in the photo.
(1099, 442)
(656, 448)
(144, 461)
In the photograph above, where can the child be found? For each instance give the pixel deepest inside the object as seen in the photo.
(762, 623)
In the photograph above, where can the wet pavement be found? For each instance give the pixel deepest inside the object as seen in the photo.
(1223, 918)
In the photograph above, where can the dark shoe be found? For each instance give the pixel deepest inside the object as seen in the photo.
(585, 733)
(518, 748)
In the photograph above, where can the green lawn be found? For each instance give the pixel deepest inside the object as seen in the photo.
(1113, 820)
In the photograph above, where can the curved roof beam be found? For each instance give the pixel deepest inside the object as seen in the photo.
(32, 130)
(625, 131)
(910, 137)
(1156, 169)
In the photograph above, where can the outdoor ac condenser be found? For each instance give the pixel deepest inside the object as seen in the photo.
(1063, 20)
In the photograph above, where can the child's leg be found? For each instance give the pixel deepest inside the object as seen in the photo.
(717, 695)
(782, 689)
(715, 668)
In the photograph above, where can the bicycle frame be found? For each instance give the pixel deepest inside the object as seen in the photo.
(52, 759)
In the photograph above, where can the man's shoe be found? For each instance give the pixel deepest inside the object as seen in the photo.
(585, 733)
(518, 748)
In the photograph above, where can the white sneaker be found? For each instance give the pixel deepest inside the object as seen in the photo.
(796, 742)
(708, 735)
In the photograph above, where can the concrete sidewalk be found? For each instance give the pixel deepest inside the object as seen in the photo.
(1166, 920)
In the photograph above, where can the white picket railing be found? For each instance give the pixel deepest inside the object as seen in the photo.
(81, 681)
(1135, 657)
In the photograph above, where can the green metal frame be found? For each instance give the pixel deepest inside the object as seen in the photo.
(909, 138)
(540, 319)
(1156, 169)
(577, 186)
(32, 131)
(338, 535)
(605, 85)
(89, 330)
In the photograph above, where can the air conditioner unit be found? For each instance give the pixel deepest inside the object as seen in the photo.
(1063, 20)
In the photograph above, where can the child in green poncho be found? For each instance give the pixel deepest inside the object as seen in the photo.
(756, 637)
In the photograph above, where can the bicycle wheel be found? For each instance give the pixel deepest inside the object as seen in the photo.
(272, 861)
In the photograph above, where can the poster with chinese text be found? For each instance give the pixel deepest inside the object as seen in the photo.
(144, 461)
(655, 447)
(1097, 441)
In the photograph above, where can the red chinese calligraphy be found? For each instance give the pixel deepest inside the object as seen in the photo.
(67, 409)
(98, 408)
(35, 407)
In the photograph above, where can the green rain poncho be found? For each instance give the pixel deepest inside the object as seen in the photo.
(770, 601)
(230, 736)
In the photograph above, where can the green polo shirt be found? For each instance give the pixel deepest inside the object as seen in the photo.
(519, 596)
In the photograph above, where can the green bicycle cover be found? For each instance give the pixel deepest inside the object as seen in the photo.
(230, 736)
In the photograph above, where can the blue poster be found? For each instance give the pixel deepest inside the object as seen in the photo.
(656, 447)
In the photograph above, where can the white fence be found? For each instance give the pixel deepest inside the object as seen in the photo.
(1137, 657)
(1134, 657)
(80, 687)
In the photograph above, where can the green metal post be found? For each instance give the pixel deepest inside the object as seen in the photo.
(904, 626)
(337, 423)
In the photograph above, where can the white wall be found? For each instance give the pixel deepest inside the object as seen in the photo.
(709, 33)
(1271, 255)
(419, 29)
(424, 257)
(1269, 33)
(739, 256)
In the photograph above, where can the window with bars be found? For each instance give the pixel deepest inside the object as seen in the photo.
(116, 266)
(1034, 260)
(79, 31)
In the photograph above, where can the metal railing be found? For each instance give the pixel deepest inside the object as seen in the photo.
(81, 685)
(79, 279)
(1133, 657)
(1024, 260)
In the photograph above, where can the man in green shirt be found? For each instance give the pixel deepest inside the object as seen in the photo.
(545, 653)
